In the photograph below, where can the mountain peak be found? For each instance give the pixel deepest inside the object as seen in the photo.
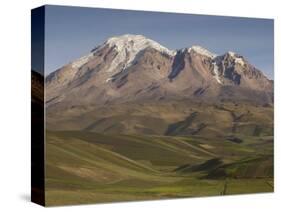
(125, 38)
(232, 54)
(128, 47)
(236, 57)
(132, 67)
(136, 43)
(201, 50)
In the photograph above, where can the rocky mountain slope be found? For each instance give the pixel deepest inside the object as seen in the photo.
(131, 84)
(133, 67)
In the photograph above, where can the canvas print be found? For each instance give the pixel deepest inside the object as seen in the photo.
(137, 105)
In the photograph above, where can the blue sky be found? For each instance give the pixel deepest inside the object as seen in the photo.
(72, 32)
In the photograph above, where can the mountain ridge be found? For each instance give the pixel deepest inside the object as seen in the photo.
(131, 67)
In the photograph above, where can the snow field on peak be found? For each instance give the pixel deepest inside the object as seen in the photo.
(202, 51)
(237, 59)
(128, 46)
(136, 43)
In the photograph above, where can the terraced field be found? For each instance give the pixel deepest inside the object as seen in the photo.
(88, 167)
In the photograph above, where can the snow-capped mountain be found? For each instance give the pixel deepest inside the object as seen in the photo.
(133, 68)
(129, 48)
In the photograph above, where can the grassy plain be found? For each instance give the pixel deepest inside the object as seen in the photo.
(90, 167)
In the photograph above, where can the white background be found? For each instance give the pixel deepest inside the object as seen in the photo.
(15, 104)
